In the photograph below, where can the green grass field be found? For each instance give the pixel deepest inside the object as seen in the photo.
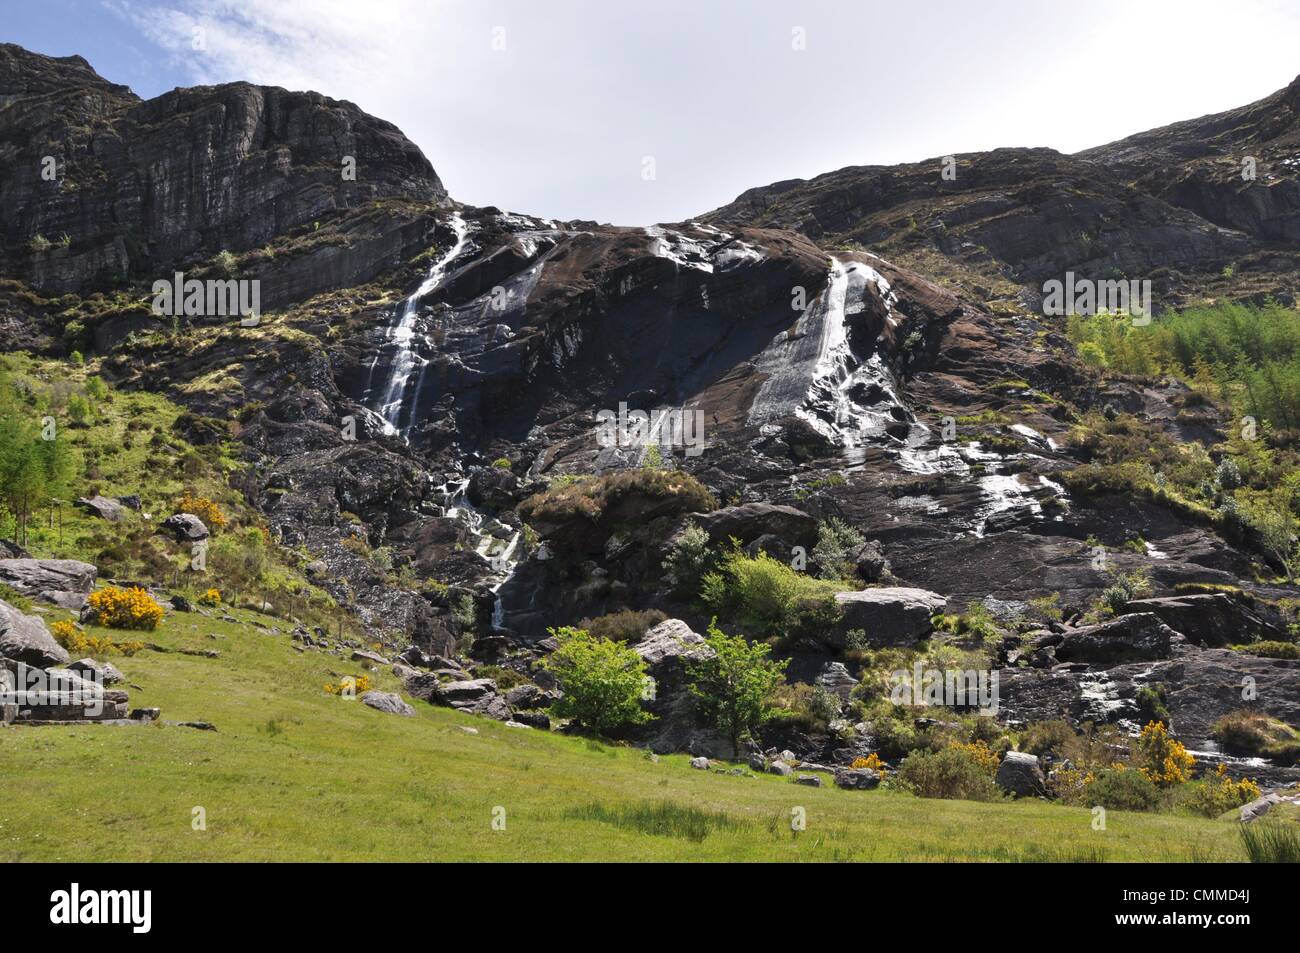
(295, 774)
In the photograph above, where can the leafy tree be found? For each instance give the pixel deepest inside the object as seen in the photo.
(836, 541)
(602, 681)
(1277, 528)
(31, 469)
(735, 685)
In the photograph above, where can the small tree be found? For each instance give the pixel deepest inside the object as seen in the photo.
(602, 681)
(688, 560)
(735, 685)
(1277, 530)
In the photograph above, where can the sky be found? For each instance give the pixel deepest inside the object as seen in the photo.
(642, 111)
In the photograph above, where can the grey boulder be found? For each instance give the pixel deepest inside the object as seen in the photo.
(889, 615)
(388, 702)
(25, 639)
(184, 527)
(64, 582)
(1020, 774)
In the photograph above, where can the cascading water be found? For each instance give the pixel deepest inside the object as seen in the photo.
(402, 336)
(493, 540)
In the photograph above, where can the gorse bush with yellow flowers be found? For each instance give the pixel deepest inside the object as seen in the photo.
(125, 608)
(210, 598)
(1218, 792)
(81, 643)
(204, 509)
(871, 762)
(1163, 760)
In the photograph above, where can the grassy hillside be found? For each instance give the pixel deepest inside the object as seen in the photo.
(295, 774)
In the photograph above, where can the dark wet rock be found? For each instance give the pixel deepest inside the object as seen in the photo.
(755, 520)
(25, 639)
(1211, 619)
(495, 488)
(1140, 636)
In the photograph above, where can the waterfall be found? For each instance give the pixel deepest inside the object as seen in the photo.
(402, 335)
(487, 543)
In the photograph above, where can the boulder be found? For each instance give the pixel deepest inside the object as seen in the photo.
(1129, 638)
(528, 697)
(892, 615)
(25, 639)
(701, 764)
(11, 550)
(184, 527)
(1213, 619)
(811, 780)
(779, 767)
(667, 644)
(835, 678)
(494, 487)
(64, 582)
(102, 507)
(869, 561)
(466, 693)
(181, 604)
(388, 702)
(534, 719)
(857, 779)
(360, 655)
(131, 501)
(751, 521)
(103, 672)
(1020, 774)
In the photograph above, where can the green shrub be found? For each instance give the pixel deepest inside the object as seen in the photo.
(836, 541)
(953, 773)
(1046, 737)
(1122, 789)
(602, 681)
(1151, 703)
(767, 597)
(688, 560)
(1283, 650)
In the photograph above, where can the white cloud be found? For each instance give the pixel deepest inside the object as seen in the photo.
(557, 123)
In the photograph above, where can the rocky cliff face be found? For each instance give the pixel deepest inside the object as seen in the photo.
(119, 189)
